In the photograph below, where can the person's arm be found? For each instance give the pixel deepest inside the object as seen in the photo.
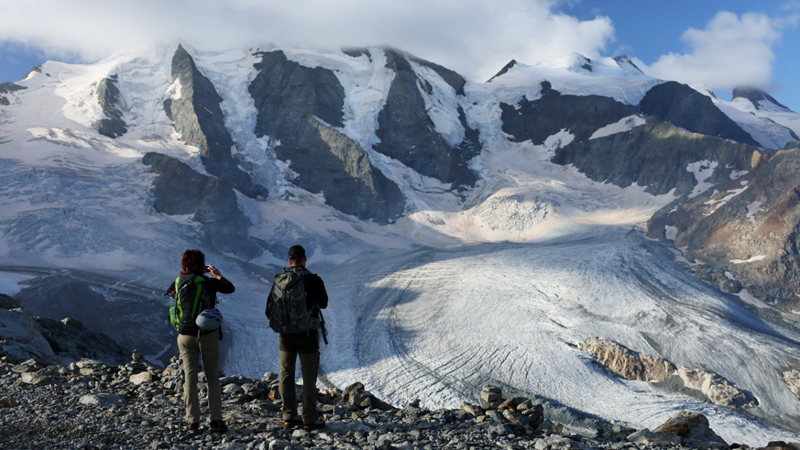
(316, 290)
(170, 290)
(222, 285)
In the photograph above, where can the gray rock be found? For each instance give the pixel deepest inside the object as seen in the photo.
(408, 134)
(108, 95)
(300, 106)
(101, 400)
(655, 155)
(539, 119)
(758, 222)
(179, 190)
(279, 444)
(199, 119)
(8, 302)
(24, 338)
(689, 424)
(686, 108)
(232, 389)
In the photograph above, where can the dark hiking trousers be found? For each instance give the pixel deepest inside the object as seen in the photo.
(306, 347)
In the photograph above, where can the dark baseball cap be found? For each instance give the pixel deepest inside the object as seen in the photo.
(297, 252)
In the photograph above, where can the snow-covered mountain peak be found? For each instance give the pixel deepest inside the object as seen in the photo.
(760, 99)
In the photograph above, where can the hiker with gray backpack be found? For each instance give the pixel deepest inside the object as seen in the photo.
(194, 316)
(294, 309)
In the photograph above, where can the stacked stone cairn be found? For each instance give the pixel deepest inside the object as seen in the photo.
(90, 405)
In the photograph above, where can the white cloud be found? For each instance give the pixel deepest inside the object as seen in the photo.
(731, 51)
(473, 37)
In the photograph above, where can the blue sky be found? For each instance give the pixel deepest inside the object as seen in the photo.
(719, 44)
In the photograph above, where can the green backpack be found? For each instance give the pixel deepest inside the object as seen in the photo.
(288, 312)
(189, 300)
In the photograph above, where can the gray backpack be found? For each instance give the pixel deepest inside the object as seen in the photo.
(288, 312)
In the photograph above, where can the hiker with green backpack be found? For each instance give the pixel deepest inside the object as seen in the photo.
(193, 314)
(294, 309)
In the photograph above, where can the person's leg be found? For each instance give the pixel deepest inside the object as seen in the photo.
(286, 386)
(209, 344)
(190, 355)
(309, 365)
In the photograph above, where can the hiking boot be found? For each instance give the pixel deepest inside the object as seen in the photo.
(294, 422)
(315, 425)
(218, 426)
(194, 428)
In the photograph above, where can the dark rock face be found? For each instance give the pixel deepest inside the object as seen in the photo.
(180, 190)
(8, 302)
(6, 88)
(756, 96)
(70, 339)
(505, 69)
(655, 155)
(693, 111)
(407, 133)
(198, 117)
(759, 228)
(289, 98)
(581, 115)
(108, 96)
(134, 322)
(456, 81)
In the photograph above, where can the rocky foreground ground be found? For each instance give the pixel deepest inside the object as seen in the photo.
(90, 405)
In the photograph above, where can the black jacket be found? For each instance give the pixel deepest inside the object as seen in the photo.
(211, 286)
(315, 291)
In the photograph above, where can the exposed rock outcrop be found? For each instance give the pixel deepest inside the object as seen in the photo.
(656, 155)
(108, 96)
(791, 376)
(746, 227)
(581, 115)
(198, 118)
(408, 134)
(718, 390)
(132, 321)
(299, 106)
(22, 337)
(6, 88)
(633, 366)
(71, 340)
(627, 364)
(688, 109)
(179, 190)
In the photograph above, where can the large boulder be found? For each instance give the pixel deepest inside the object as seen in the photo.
(691, 425)
(198, 118)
